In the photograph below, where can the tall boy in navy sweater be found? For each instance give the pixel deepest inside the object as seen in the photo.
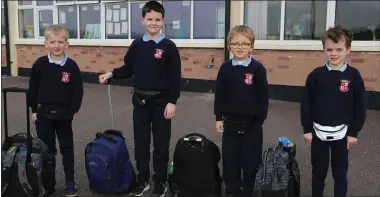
(155, 63)
(333, 111)
(241, 107)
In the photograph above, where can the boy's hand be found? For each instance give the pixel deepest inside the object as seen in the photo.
(308, 137)
(103, 79)
(169, 111)
(219, 126)
(34, 116)
(351, 141)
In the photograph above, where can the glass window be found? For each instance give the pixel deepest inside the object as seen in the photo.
(89, 17)
(25, 2)
(64, 1)
(68, 17)
(2, 23)
(305, 20)
(26, 23)
(264, 17)
(117, 21)
(137, 29)
(177, 21)
(42, 3)
(208, 19)
(45, 19)
(362, 17)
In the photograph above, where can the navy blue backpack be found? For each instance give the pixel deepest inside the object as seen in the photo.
(108, 166)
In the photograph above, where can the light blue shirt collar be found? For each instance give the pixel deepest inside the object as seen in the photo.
(63, 62)
(245, 63)
(157, 40)
(341, 69)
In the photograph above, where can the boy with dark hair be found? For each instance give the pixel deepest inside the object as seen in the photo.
(155, 63)
(55, 95)
(241, 107)
(333, 111)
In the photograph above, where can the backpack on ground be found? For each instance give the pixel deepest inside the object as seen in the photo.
(195, 171)
(107, 161)
(278, 175)
(22, 159)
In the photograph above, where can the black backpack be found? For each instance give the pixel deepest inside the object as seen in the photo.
(279, 174)
(23, 159)
(195, 167)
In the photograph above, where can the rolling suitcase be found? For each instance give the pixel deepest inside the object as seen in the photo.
(107, 161)
(22, 158)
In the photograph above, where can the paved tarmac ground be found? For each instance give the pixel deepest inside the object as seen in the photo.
(195, 114)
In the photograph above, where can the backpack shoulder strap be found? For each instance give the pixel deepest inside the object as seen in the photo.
(22, 170)
(7, 161)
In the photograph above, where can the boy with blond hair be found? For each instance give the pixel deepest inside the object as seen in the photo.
(241, 107)
(55, 95)
(333, 111)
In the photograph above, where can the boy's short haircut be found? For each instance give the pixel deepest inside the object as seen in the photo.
(54, 29)
(155, 6)
(336, 34)
(242, 30)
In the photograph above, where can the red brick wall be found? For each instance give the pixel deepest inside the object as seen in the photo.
(284, 67)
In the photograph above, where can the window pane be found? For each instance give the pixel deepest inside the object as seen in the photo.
(137, 29)
(264, 17)
(64, 1)
(26, 23)
(45, 19)
(41, 3)
(209, 19)
(305, 20)
(68, 17)
(25, 2)
(117, 21)
(362, 17)
(89, 16)
(177, 21)
(2, 23)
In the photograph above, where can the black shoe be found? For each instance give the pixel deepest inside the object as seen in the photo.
(49, 193)
(141, 189)
(159, 190)
(71, 190)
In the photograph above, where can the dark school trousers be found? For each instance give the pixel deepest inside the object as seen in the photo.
(241, 152)
(149, 119)
(47, 130)
(320, 159)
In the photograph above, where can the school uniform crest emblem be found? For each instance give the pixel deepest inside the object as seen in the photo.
(344, 85)
(248, 78)
(65, 77)
(158, 54)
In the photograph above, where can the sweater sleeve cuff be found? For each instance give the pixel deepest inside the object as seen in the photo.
(34, 109)
(218, 117)
(172, 100)
(307, 129)
(352, 132)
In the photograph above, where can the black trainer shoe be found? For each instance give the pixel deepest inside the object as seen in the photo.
(71, 190)
(159, 190)
(141, 189)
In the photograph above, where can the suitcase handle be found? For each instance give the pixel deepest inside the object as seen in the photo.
(109, 82)
(17, 90)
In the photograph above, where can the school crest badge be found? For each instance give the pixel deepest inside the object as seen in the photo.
(158, 54)
(248, 78)
(65, 77)
(344, 85)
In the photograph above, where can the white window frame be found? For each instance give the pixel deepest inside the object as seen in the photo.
(203, 43)
(307, 44)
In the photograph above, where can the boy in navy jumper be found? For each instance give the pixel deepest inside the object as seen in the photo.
(154, 62)
(241, 107)
(333, 111)
(55, 95)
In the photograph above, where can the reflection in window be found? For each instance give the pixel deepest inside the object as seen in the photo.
(137, 29)
(45, 19)
(264, 17)
(89, 17)
(25, 2)
(42, 3)
(26, 23)
(67, 16)
(2, 23)
(305, 20)
(209, 19)
(177, 21)
(117, 21)
(362, 17)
